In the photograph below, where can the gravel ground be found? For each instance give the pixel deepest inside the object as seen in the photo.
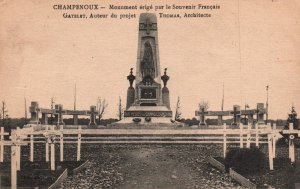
(158, 166)
(284, 175)
(149, 166)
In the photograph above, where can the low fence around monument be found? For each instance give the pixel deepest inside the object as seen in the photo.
(216, 163)
(241, 179)
(53, 135)
(59, 180)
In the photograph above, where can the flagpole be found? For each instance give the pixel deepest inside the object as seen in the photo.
(222, 107)
(25, 105)
(267, 104)
(25, 110)
(75, 98)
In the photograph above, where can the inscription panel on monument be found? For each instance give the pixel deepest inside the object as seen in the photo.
(147, 114)
(148, 94)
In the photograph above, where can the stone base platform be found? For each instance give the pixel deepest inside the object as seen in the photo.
(146, 117)
(118, 125)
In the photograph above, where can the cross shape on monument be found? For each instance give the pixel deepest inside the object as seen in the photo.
(34, 111)
(235, 113)
(92, 114)
(59, 112)
(148, 26)
(92, 111)
(202, 114)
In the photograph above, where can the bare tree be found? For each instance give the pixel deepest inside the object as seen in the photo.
(101, 107)
(52, 108)
(3, 113)
(25, 110)
(120, 109)
(203, 106)
(178, 111)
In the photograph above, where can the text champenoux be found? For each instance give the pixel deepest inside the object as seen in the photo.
(76, 7)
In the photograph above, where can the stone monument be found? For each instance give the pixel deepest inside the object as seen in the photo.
(148, 100)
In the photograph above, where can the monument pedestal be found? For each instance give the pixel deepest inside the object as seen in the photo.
(148, 101)
(147, 117)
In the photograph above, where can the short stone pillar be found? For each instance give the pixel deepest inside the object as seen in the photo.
(250, 119)
(130, 90)
(236, 115)
(59, 114)
(260, 113)
(45, 118)
(34, 112)
(75, 119)
(220, 120)
(130, 97)
(165, 91)
(93, 114)
(202, 114)
(166, 97)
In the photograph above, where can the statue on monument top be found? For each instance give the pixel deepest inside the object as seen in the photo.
(147, 64)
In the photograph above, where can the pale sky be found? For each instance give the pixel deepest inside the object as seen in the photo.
(43, 55)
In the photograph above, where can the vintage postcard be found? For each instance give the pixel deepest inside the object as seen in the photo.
(149, 94)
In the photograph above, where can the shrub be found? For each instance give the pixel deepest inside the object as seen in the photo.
(297, 142)
(282, 142)
(245, 161)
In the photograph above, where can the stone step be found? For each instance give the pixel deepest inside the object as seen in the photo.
(145, 126)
